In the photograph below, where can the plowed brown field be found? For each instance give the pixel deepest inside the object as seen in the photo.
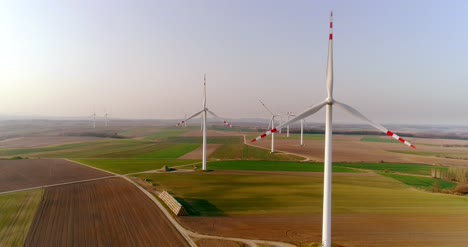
(109, 212)
(352, 149)
(21, 174)
(347, 230)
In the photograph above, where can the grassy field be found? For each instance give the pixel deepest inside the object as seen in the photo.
(463, 156)
(425, 183)
(416, 169)
(262, 165)
(17, 213)
(163, 134)
(125, 166)
(244, 152)
(107, 149)
(378, 139)
(211, 194)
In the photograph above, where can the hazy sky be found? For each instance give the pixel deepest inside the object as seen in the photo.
(396, 61)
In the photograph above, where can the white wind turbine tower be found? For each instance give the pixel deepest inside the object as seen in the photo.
(272, 124)
(329, 102)
(289, 114)
(94, 119)
(106, 116)
(204, 112)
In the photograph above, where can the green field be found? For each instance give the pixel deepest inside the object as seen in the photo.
(107, 149)
(244, 152)
(461, 156)
(378, 139)
(163, 134)
(126, 166)
(416, 169)
(262, 165)
(211, 194)
(17, 212)
(425, 183)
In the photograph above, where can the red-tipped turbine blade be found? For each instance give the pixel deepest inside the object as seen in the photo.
(264, 135)
(304, 114)
(359, 115)
(227, 124)
(194, 115)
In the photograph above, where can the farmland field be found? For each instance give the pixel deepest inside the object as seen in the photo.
(286, 206)
(125, 166)
(17, 213)
(21, 174)
(109, 212)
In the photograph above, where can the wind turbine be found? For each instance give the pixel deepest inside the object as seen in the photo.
(94, 119)
(272, 124)
(329, 102)
(107, 120)
(204, 112)
(289, 114)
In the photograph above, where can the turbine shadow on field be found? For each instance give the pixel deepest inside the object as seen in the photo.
(199, 207)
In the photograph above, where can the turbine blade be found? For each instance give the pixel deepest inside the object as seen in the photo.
(212, 113)
(216, 116)
(271, 120)
(194, 115)
(266, 107)
(359, 115)
(330, 60)
(227, 124)
(300, 116)
(204, 90)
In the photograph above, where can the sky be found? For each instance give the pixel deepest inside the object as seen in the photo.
(395, 61)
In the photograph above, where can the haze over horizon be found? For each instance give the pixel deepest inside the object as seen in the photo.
(396, 62)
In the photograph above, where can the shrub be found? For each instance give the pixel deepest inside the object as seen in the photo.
(462, 189)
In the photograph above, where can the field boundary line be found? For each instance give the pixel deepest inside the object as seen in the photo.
(187, 233)
(179, 228)
(306, 158)
(59, 184)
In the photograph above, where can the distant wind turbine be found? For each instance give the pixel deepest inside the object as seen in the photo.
(289, 114)
(94, 119)
(107, 120)
(272, 125)
(204, 112)
(329, 102)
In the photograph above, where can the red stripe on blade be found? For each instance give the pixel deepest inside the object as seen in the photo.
(401, 140)
(273, 130)
(389, 133)
(331, 36)
(263, 135)
(331, 24)
(412, 146)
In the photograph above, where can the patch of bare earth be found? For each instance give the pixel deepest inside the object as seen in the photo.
(208, 133)
(347, 230)
(217, 243)
(197, 153)
(27, 173)
(349, 149)
(109, 212)
(44, 141)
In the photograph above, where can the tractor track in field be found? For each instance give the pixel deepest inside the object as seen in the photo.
(306, 158)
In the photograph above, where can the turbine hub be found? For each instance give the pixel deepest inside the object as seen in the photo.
(330, 101)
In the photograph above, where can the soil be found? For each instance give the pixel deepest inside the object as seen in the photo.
(347, 230)
(197, 153)
(351, 149)
(108, 212)
(217, 243)
(44, 141)
(209, 133)
(27, 173)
